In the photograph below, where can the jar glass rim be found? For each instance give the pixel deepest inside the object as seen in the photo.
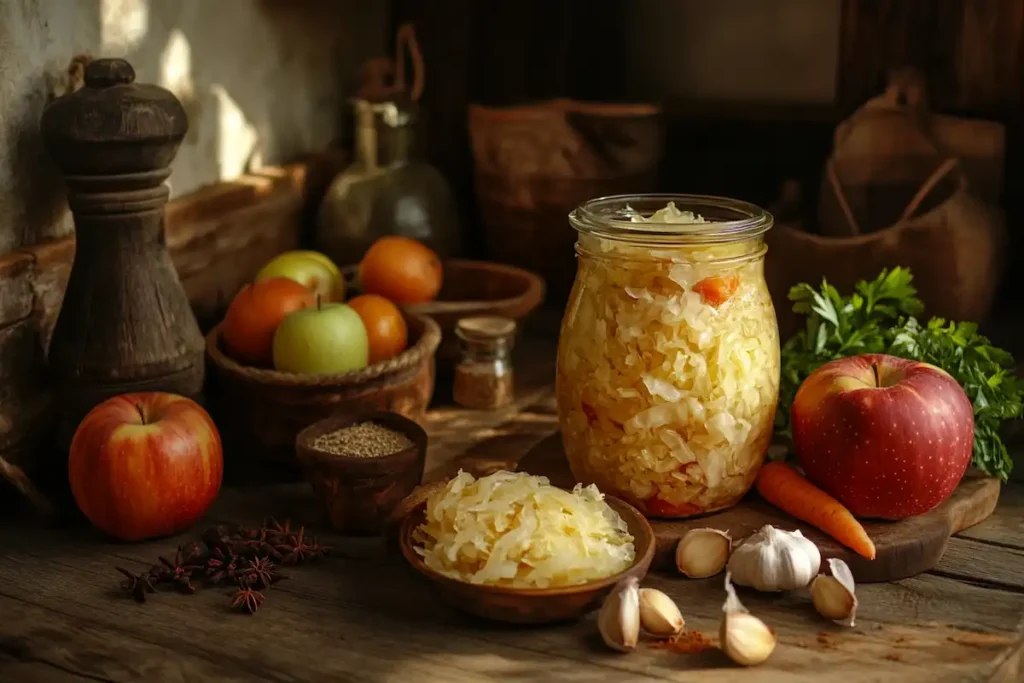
(728, 220)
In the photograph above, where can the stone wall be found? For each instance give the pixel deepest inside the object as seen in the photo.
(262, 80)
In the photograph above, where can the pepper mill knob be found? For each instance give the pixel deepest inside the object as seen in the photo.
(113, 125)
(103, 73)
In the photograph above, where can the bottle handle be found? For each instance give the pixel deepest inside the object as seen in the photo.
(405, 41)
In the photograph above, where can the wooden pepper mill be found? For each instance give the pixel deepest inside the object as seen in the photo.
(125, 324)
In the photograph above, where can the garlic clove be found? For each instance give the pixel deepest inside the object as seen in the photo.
(835, 596)
(703, 552)
(619, 619)
(659, 615)
(744, 638)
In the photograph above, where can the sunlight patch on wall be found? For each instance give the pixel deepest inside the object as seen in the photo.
(123, 26)
(176, 66)
(237, 139)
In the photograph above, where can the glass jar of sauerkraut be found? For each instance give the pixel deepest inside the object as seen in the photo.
(668, 357)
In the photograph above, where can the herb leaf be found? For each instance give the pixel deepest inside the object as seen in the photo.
(879, 318)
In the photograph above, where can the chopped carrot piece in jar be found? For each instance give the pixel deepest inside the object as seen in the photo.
(717, 290)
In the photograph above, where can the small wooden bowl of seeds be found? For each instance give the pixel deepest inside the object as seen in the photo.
(362, 466)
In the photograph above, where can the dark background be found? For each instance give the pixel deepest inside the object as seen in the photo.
(513, 51)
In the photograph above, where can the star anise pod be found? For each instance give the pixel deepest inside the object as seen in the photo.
(180, 571)
(247, 599)
(136, 584)
(259, 546)
(221, 565)
(302, 550)
(276, 529)
(260, 572)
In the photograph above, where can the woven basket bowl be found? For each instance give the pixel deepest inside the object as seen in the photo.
(261, 411)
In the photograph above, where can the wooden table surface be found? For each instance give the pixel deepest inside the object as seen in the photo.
(361, 616)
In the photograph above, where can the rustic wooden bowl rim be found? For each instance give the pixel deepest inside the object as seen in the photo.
(533, 288)
(412, 357)
(407, 458)
(624, 509)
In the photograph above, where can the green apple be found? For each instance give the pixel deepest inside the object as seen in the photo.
(327, 339)
(311, 269)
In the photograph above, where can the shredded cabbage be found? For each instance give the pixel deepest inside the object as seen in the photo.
(516, 529)
(668, 370)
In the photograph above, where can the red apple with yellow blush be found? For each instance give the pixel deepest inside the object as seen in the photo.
(888, 437)
(145, 465)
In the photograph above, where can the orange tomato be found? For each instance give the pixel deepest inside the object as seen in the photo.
(402, 270)
(255, 313)
(384, 324)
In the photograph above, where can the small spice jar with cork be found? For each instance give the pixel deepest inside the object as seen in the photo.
(483, 376)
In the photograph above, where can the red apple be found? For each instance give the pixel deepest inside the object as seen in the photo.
(145, 465)
(887, 437)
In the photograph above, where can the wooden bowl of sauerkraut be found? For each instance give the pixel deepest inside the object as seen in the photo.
(494, 547)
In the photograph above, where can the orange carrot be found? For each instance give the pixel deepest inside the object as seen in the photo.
(790, 491)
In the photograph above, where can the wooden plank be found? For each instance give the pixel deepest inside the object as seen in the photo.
(1006, 526)
(329, 616)
(977, 562)
(40, 644)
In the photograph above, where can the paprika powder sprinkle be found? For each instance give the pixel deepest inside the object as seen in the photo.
(686, 642)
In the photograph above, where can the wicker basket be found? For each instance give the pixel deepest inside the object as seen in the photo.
(533, 164)
(955, 248)
(260, 411)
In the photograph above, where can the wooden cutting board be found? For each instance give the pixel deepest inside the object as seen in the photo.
(904, 548)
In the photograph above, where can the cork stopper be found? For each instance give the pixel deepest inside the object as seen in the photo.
(490, 329)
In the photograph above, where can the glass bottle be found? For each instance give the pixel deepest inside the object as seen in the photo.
(483, 375)
(387, 190)
(668, 359)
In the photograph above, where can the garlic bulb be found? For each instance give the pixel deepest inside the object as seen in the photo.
(834, 596)
(619, 619)
(774, 560)
(659, 615)
(703, 552)
(744, 638)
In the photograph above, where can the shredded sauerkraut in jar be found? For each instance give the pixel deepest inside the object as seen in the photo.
(668, 369)
(515, 529)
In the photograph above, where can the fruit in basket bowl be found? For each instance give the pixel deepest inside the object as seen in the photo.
(145, 465)
(385, 326)
(402, 270)
(310, 269)
(255, 313)
(887, 437)
(329, 338)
